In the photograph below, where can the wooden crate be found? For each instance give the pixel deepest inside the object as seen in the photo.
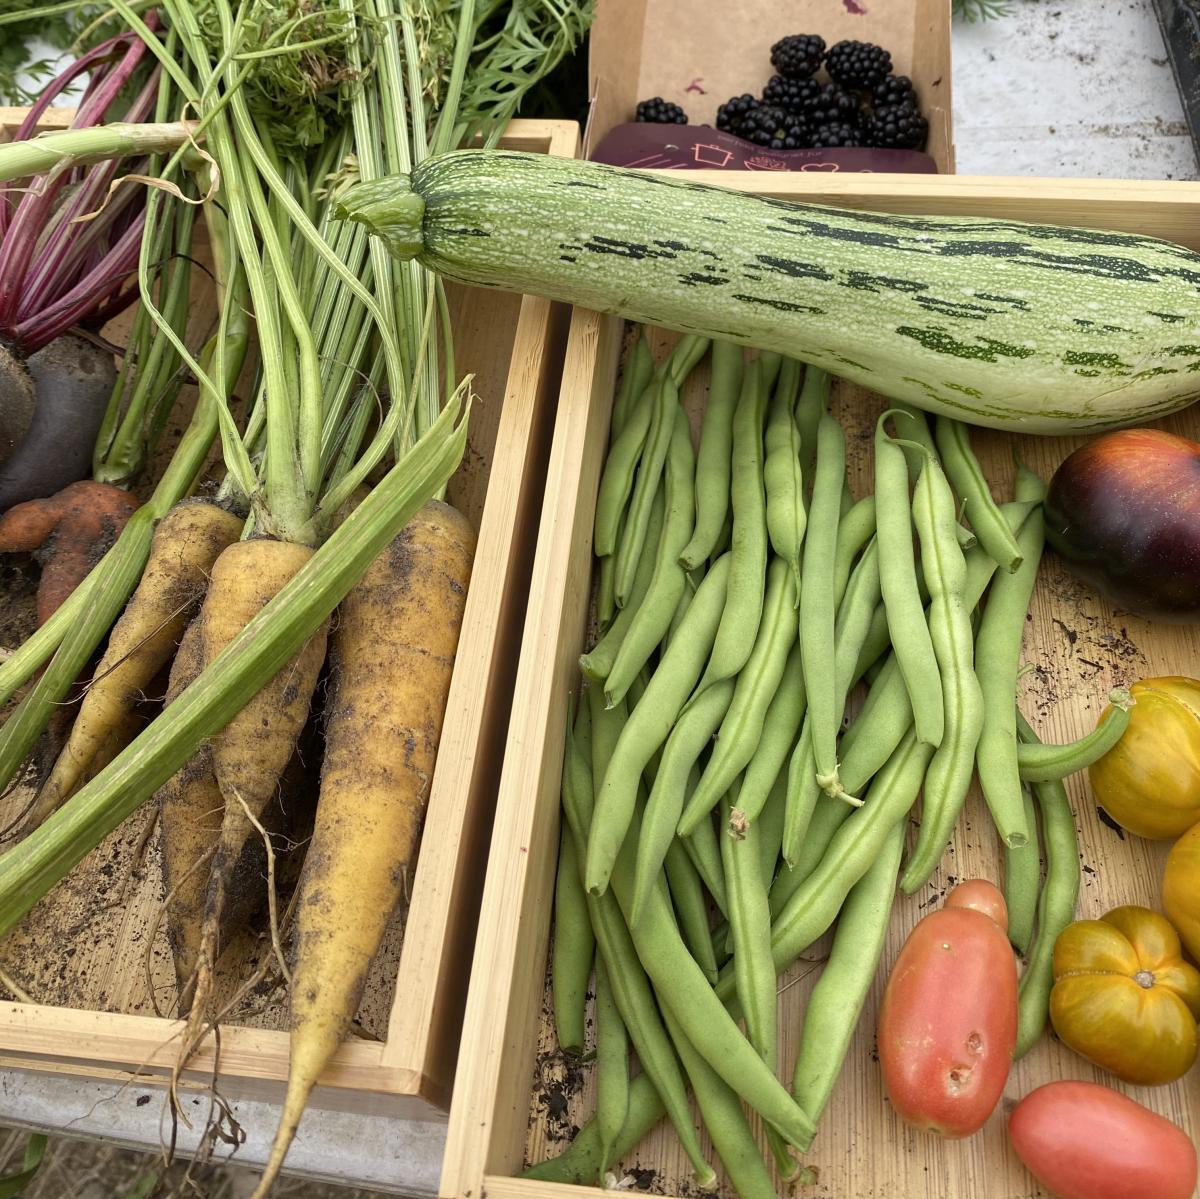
(417, 990)
(513, 1090)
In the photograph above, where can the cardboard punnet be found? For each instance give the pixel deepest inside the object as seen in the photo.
(698, 56)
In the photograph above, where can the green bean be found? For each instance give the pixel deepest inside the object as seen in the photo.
(1022, 876)
(966, 539)
(837, 1000)
(855, 529)
(780, 726)
(1056, 904)
(639, 367)
(802, 792)
(715, 456)
(656, 712)
(686, 595)
(661, 450)
(949, 775)
(649, 474)
(753, 969)
(747, 578)
(770, 829)
(855, 617)
(875, 644)
(612, 1068)
(750, 923)
(1039, 763)
(625, 452)
(724, 539)
(887, 715)
(630, 985)
(687, 897)
(818, 601)
(855, 845)
(574, 949)
(606, 603)
(692, 733)
(911, 426)
(725, 1121)
(770, 838)
(786, 516)
(769, 362)
(827, 817)
(997, 659)
(684, 357)
(911, 642)
(653, 617)
(598, 661)
(705, 851)
(681, 985)
(579, 1163)
(758, 681)
(855, 612)
(954, 449)
(813, 401)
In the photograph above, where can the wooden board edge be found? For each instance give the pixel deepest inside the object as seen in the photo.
(427, 983)
(499, 1186)
(526, 811)
(130, 1044)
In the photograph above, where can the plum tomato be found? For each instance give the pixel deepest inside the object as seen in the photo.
(1084, 1141)
(948, 1022)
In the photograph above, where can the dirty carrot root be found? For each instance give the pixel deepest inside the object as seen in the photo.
(190, 812)
(249, 755)
(185, 546)
(392, 657)
(71, 530)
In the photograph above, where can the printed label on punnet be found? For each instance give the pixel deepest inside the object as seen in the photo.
(702, 148)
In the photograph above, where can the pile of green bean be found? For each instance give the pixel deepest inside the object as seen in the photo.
(717, 819)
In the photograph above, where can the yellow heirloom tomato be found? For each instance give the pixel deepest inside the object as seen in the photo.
(1123, 996)
(1149, 782)
(1181, 890)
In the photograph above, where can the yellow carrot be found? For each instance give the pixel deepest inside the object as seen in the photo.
(185, 546)
(392, 657)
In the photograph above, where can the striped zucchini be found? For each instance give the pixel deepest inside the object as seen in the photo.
(1036, 328)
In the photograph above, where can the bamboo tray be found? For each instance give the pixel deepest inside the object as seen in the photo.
(82, 954)
(517, 1100)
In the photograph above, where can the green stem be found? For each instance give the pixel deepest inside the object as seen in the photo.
(76, 147)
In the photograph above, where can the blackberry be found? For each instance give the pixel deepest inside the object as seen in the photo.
(836, 134)
(858, 64)
(661, 112)
(792, 95)
(774, 128)
(733, 113)
(833, 106)
(798, 56)
(896, 127)
(895, 89)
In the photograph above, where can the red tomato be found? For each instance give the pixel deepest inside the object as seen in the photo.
(1084, 1141)
(980, 896)
(948, 1024)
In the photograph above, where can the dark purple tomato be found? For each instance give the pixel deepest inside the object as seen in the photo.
(1124, 512)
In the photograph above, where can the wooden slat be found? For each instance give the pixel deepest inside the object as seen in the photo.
(516, 1099)
(487, 1127)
